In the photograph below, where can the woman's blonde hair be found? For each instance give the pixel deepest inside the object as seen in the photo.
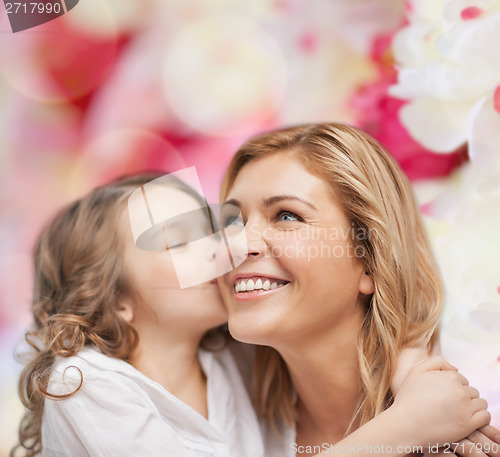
(79, 280)
(378, 201)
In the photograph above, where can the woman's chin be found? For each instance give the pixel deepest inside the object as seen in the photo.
(248, 331)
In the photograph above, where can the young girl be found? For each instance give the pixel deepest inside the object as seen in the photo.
(119, 367)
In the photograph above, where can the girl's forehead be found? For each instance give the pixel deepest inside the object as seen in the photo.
(156, 202)
(164, 213)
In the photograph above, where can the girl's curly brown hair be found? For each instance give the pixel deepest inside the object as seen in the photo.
(79, 280)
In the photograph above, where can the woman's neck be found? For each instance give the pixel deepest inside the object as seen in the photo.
(325, 374)
(174, 365)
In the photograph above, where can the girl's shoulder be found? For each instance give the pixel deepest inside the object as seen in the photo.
(107, 407)
(88, 366)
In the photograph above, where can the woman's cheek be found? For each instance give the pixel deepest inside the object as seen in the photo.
(300, 250)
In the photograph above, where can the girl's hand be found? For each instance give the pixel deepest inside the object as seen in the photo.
(407, 359)
(480, 443)
(437, 404)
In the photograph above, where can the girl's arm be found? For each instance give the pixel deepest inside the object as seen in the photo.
(434, 406)
(480, 443)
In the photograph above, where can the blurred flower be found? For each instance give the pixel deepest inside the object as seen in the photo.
(448, 64)
(463, 227)
(464, 233)
(378, 114)
(48, 69)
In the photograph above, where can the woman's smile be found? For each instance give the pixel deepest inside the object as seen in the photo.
(253, 286)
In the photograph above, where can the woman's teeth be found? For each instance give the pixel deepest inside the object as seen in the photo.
(247, 285)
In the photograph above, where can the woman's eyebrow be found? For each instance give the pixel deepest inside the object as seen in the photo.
(278, 198)
(271, 201)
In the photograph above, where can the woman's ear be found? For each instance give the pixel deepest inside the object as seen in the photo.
(125, 309)
(366, 284)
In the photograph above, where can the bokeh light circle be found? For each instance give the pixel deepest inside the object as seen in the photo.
(128, 151)
(224, 75)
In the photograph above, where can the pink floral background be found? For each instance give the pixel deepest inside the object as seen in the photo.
(121, 86)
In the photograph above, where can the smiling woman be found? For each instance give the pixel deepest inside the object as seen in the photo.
(338, 278)
(295, 222)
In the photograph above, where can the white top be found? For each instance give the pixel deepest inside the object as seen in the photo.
(121, 412)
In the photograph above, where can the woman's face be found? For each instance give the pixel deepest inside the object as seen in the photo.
(155, 273)
(302, 264)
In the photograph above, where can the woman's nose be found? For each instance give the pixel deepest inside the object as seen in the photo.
(256, 240)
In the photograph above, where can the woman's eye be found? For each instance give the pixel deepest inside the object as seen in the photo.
(284, 216)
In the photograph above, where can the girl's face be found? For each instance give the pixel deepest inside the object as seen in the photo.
(192, 310)
(302, 275)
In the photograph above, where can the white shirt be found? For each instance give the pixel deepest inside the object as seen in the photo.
(119, 411)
